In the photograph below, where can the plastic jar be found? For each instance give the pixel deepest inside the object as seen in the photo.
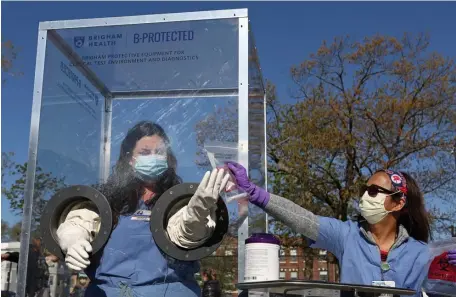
(261, 258)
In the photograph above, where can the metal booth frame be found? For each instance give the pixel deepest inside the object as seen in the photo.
(47, 31)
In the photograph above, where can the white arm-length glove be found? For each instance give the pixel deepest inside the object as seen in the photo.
(75, 235)
(192, 225)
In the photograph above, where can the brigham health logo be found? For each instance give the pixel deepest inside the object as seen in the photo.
(78, 41)
(99, 40)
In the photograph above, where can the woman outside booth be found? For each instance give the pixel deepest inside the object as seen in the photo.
(130, 263)
(386, 246)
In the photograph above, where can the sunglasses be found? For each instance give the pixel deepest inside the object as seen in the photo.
(373, 190)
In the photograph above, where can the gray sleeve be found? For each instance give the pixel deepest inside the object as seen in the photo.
(294, 216)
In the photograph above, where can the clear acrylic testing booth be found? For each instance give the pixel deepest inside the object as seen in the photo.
(195, 74)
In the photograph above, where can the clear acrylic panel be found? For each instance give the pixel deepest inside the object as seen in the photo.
(256, 83)
(189, 123)
(69, 153)
(160, 56)
(98, 82)
(257, 141)
(71, 124)
(185, 123)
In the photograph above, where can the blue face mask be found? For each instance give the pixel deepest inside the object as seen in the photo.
(150, 167)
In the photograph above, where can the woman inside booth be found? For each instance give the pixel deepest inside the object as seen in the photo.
(387, 246)
(130, 263)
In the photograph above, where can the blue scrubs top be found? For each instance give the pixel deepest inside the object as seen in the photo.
(131, 264)
(359, 255)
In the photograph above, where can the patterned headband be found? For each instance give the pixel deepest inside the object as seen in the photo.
(398, 181)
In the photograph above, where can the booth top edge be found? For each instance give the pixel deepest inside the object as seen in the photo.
(144, 19)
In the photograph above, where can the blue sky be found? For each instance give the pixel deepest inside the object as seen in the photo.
(286, 33)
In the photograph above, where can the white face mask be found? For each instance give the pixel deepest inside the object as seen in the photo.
(373, 208)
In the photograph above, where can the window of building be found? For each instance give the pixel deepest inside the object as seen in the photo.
(293, 255)
(282, 255)
(324, 275)
(282, 275)
(322, 255)
(294, 275)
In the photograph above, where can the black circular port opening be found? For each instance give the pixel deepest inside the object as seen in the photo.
(58, 207)
(167, 205)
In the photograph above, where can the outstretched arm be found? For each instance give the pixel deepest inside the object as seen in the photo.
(299, 219)
(322, 232)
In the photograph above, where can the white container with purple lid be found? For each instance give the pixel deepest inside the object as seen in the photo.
(262, 252)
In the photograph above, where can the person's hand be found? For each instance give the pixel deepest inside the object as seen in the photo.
(240, 174)
(258, 196)
(452, 257)
(204, 201)
(77, 256)
(74, 236)
(193, 224)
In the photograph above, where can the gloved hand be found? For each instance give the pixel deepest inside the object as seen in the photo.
(75, 234)
(204, 201)
(452, 257)
(193, 225)
(77, 256)
(258, 196)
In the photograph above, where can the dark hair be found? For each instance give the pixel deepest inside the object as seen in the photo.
(123, 189)
(211, 288)
(414, 216)
(206, 272)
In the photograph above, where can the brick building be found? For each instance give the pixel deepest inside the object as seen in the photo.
(293, 265)
(292, 262)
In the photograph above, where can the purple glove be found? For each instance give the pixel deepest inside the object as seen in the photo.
(452, 257)
(258, 196)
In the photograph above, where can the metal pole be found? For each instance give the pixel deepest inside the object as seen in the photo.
(265, 156)
(175, 94)
(31, 166)
(243, 129)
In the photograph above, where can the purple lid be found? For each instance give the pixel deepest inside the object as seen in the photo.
(262, 238)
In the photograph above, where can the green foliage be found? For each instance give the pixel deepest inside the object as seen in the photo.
(7, 165)
(361, 105)
(225, 269)
(45, 186)
(10, 233)
(381, 102)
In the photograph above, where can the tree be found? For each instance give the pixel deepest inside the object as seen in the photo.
(9, 55)
(382, 102)
(221, 125)
(5, 228)
(10, 233)
(45, 186)
(223, 264)
(7, 164)
(225, 267)
(363, 106)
